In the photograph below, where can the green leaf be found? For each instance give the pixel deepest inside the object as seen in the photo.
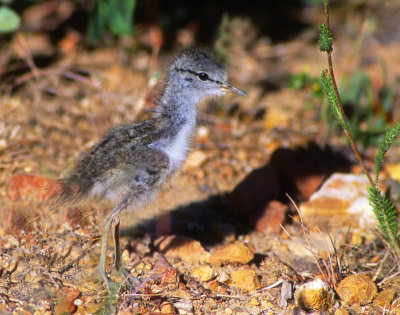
(96, 21)
(325, 38)
(392, 135)
(386, 213)
(120, 16)
(9, 20)
(327, 86)
(113, 15)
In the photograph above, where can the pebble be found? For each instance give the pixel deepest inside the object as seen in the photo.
(254, 302)
(314, 294)
(341, 201)
(245, 279)
(187, 249)
(237, 252)
(357, 290)
(223, 277)
(66, 301)
(184, 307)
(272, 217)
(167, 308)
(385, 298)
(203, 273)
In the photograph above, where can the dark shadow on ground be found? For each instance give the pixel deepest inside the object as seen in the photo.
(297, 172)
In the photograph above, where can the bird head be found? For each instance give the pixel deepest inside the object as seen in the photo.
(200, 72)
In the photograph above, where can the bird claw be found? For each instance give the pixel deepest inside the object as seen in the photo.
(129, 280)
(135, 285)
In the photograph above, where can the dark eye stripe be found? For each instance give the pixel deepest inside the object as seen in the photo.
(198, 75)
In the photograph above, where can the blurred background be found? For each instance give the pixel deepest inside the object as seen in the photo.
(70, 70)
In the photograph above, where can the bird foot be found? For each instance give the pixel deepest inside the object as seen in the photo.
(135, 285)
(129, 280)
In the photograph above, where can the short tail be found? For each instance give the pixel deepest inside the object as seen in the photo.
(64, 193)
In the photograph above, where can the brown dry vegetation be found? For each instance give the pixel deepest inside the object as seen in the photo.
(247, 153)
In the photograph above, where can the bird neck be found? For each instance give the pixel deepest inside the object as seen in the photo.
(177, 106)
(176, 115)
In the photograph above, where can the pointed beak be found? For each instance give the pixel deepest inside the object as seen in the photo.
(230, 88)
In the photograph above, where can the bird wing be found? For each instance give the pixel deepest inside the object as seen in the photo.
(119, 159)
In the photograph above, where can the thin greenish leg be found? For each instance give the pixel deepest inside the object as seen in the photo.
(117, 247)
(132, 281)
(104, 241)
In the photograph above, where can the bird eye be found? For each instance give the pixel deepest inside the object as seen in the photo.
(203, 76)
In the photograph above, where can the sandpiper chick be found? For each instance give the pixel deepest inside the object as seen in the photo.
(128, 166)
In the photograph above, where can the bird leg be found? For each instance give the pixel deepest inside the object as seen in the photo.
(117, 250)
(133, 281)
(113, 218)
(106, 232)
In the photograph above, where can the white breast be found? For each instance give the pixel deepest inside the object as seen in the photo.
(176, 148)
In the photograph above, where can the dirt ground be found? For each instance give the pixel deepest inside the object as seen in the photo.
(249, 154)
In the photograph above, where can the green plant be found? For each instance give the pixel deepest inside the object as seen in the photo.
(383, 207)
(367, 114)
(114, 15)
(9, 19)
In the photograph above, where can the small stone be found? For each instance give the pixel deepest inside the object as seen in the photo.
(90, 307)
(341, 311)
(213, 285)
(167, 308)
(272, 217)
(228, 311)
(237, 252)
(169, 277)
(223, 277)
(341, 201)
(315, 294)
(254, 302)
(357, 290)
(203, 273)
(187, 249)
(385, 298)
(286, 293)
(195, 159)
(78, 302)
(245, 280)
(184, 307)
(66, 301)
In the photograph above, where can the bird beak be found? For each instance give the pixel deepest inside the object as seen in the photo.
(230, 88)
